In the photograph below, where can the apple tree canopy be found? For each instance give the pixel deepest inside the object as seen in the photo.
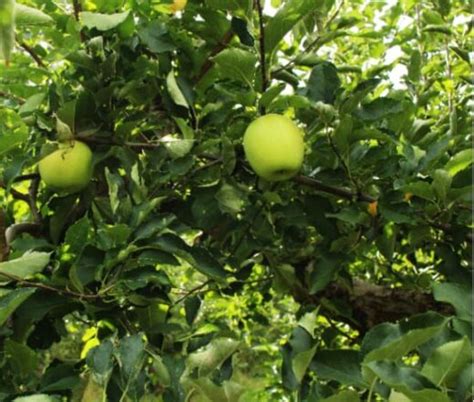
(177, 274)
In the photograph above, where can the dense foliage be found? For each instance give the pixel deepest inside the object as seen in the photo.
(177, 274)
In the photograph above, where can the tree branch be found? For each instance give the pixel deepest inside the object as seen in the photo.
(13, 231)
(77, 11)
(340, 192)
(65, 292)
(32, 197)
(263, 61)
(219, 48)
(8, 95)
(33, 54)
(3, 238)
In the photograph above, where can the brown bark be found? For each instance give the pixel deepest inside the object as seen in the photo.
(371, 304)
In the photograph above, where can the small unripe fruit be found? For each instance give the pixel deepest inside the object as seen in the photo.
(68, 169)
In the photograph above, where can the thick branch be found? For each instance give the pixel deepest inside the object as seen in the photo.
(33, 54)
(374, 304)
(340, 192)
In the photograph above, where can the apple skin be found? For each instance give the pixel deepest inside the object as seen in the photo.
(68, 169)
(178, 5)
(274, 147)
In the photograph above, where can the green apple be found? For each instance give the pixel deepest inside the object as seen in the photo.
(68, 169)
(274, 147)
(178, 5)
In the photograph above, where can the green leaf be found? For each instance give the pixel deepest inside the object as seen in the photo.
(155, 37)
(63, 131)
(131, 355)
(99, 360)
(175, 91)
(286, 18)
(342, 366)
(342, 133)
(392, 341)
(236, 64)
(344, 396)
(459, 295)
(191, 307)
(199, 258)
(414, 67)
(216, 353)
(25, 15)
(353, 99)
(11, 301)
(379, 109)
(102, 22)
(22, 360)
(32, 104)
(325, 269)
(231, 199)
(447, 361)
(459, 162)
(420, 189)
(323, 83)
(465, 383)
(28, 264)
(441, 184)
(271, 94)
(408, 381)
(77, 235)
(179, 147)
(13, 131)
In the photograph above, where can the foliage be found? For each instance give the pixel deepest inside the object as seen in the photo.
(177, 275)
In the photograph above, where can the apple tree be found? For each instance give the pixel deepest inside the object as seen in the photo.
(148, 254)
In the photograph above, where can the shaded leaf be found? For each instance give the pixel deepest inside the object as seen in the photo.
(28, 264)
(11, 301)
(447, 361)
(102, 22)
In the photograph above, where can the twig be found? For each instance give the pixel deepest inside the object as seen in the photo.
(219, 48)
(8, 95)
(192, 291)
(77, 11)
(341, 159)
(263, 61)
(319, 186)
(3, 239)
(65, 292)
(24, 177)
(33, 54)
